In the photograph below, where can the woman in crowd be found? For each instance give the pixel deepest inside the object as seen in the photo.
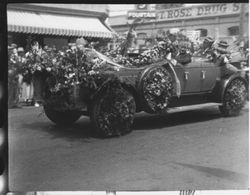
(14, 66)
(37, 78)
(27, 85)
(21, 60)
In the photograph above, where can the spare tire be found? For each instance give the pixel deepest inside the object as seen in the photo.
(156, 89)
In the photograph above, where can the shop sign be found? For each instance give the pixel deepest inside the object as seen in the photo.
(199, 11)
(141, 14)
(193, 35)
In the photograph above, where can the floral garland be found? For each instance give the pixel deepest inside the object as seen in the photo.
(116, 118)
(235, 95)
(68, 68)
(146, 58)
(157, 87)
(83, 68)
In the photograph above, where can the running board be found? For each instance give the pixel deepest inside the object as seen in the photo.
(192, 107)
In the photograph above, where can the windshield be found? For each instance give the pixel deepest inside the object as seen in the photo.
(104, 58)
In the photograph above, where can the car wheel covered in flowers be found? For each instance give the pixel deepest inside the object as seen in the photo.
(110, 93)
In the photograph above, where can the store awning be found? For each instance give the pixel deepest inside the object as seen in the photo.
(54, 24)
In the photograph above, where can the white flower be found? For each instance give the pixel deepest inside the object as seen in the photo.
(48, 69)
(39, 68)
(117, 68)
(91, 72)
(71, 75)
(226, 60)
(96, 66)
(24, 60)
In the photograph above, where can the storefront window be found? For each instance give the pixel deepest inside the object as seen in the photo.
(18, 38)
(234, 30)
(203, 32)
(141, 36)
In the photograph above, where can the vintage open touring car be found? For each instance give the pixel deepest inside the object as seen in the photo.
(156, 88)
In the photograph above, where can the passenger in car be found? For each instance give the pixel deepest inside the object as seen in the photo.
(184, 57)
(206, 49)
(222, 59)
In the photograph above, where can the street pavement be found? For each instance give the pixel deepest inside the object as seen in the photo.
(187, 150)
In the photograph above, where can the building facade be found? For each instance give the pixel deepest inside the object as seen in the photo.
(222, 21)
(56, 25)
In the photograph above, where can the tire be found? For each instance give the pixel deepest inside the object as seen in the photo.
(62, 117)
(234, 99)
(112, 112)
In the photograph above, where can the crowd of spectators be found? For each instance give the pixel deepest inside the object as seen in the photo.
(24, 87)
(15, 79)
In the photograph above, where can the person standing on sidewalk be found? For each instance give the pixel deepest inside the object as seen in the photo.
(13, 77)
(26, 87)
(38, 75)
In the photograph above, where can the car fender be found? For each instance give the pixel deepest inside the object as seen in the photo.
(132, 90)
(104, 86)
(221, 85)
(169, 66)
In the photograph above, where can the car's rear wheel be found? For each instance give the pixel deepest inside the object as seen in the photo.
(112, 112)
(234, 99)
(62, 117)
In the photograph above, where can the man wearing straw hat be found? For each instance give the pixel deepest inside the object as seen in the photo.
(222, 59)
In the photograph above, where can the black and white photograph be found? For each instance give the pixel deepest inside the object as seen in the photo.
(128, 97)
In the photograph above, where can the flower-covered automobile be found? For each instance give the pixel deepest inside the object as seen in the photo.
(111, 93)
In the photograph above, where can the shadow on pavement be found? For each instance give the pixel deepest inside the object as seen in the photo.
(169, 120)
(219, 173)
(83, 129)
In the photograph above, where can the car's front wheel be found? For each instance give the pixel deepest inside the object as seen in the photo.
(112, 113)
(234, 99)
(62, 117)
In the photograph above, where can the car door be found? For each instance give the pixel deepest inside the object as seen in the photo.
(210, 73)
(189, 76)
